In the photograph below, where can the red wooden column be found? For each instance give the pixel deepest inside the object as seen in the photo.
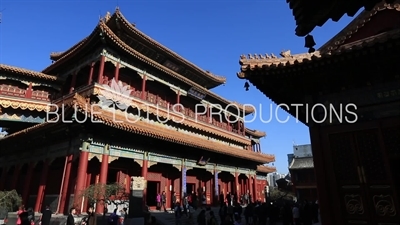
(81, 179)
(237, 184)
(42, 186)
(255, 188)
(88, 181)
(144, 174)
(102, 179)
(64, 188)
(90, 79)
(28, 179)
(3, 177)
(73, 83)
(251, 188)
(28, 93)
(116, 72)
(101, 69)
(14, 183)
(143, 96)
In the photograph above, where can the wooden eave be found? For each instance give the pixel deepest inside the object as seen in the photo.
(12, 70)
(143, 128)
(282, 79)
(278, 65)
(57, 55)
(354, 26)
(255, 133)
(266, 169)
(311, 13)
(23, 104)
(213, 80)
(93, 37)
(113, 38)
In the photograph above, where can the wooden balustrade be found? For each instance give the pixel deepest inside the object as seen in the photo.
(163, 103)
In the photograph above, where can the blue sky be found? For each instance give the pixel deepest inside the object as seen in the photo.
(212, 34)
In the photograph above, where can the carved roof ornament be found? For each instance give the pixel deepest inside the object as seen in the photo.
(273, 56)
(286, 54)
(107, 17)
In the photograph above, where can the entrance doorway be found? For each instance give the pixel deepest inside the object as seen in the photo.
(153, 188)
(190, 187)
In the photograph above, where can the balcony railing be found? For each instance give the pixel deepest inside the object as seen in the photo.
(186, 111)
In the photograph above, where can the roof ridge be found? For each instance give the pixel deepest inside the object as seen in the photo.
(74, 49)
(353, 27)
(215, 77)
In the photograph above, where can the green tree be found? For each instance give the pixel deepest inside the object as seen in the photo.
(106, 194)
(283, 192)
(9, 200)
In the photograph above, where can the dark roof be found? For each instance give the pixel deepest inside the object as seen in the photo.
(302, 163)
(311, 13)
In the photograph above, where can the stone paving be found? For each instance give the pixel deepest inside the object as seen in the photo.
(169, 217)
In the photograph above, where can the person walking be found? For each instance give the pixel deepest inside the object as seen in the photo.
(19, 212)
(70, 218)
(164, 201)
(46, 216)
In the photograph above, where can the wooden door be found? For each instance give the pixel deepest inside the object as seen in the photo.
(364, 179)
(346, 167)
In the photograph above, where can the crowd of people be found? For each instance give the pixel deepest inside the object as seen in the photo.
(245, 212)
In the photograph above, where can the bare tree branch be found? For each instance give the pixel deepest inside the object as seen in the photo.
(106, 194)
(9, 200)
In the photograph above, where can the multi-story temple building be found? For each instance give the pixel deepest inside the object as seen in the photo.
(355, 152)
(301, 169)
(119, 104)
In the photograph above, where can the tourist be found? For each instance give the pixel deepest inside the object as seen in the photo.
(185, 204)
(91, 217)
(164, 200)
(203, 200)
(221, 200)
(287, 215)
(201, 218)
(246, 198)
(296, 215)
(174, 198)
(178, 213)
(237, 219)
(158, 199)
(21, 209)
(212, 220)
(31, 216)
(114, 218)
(46, 216)
(223, 212)
(248, 214)
(124, 214)
(227, 220)
(24, 218)
(228, 198)
(70, 218)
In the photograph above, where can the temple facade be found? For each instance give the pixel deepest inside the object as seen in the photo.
(301, 169)
(119, 104)
(350, 95)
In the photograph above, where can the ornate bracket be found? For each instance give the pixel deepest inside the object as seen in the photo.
(151, 163)
(178, 167)
(138, 161)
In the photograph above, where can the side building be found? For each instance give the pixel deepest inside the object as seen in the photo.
(302, 173)
(119, 104)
